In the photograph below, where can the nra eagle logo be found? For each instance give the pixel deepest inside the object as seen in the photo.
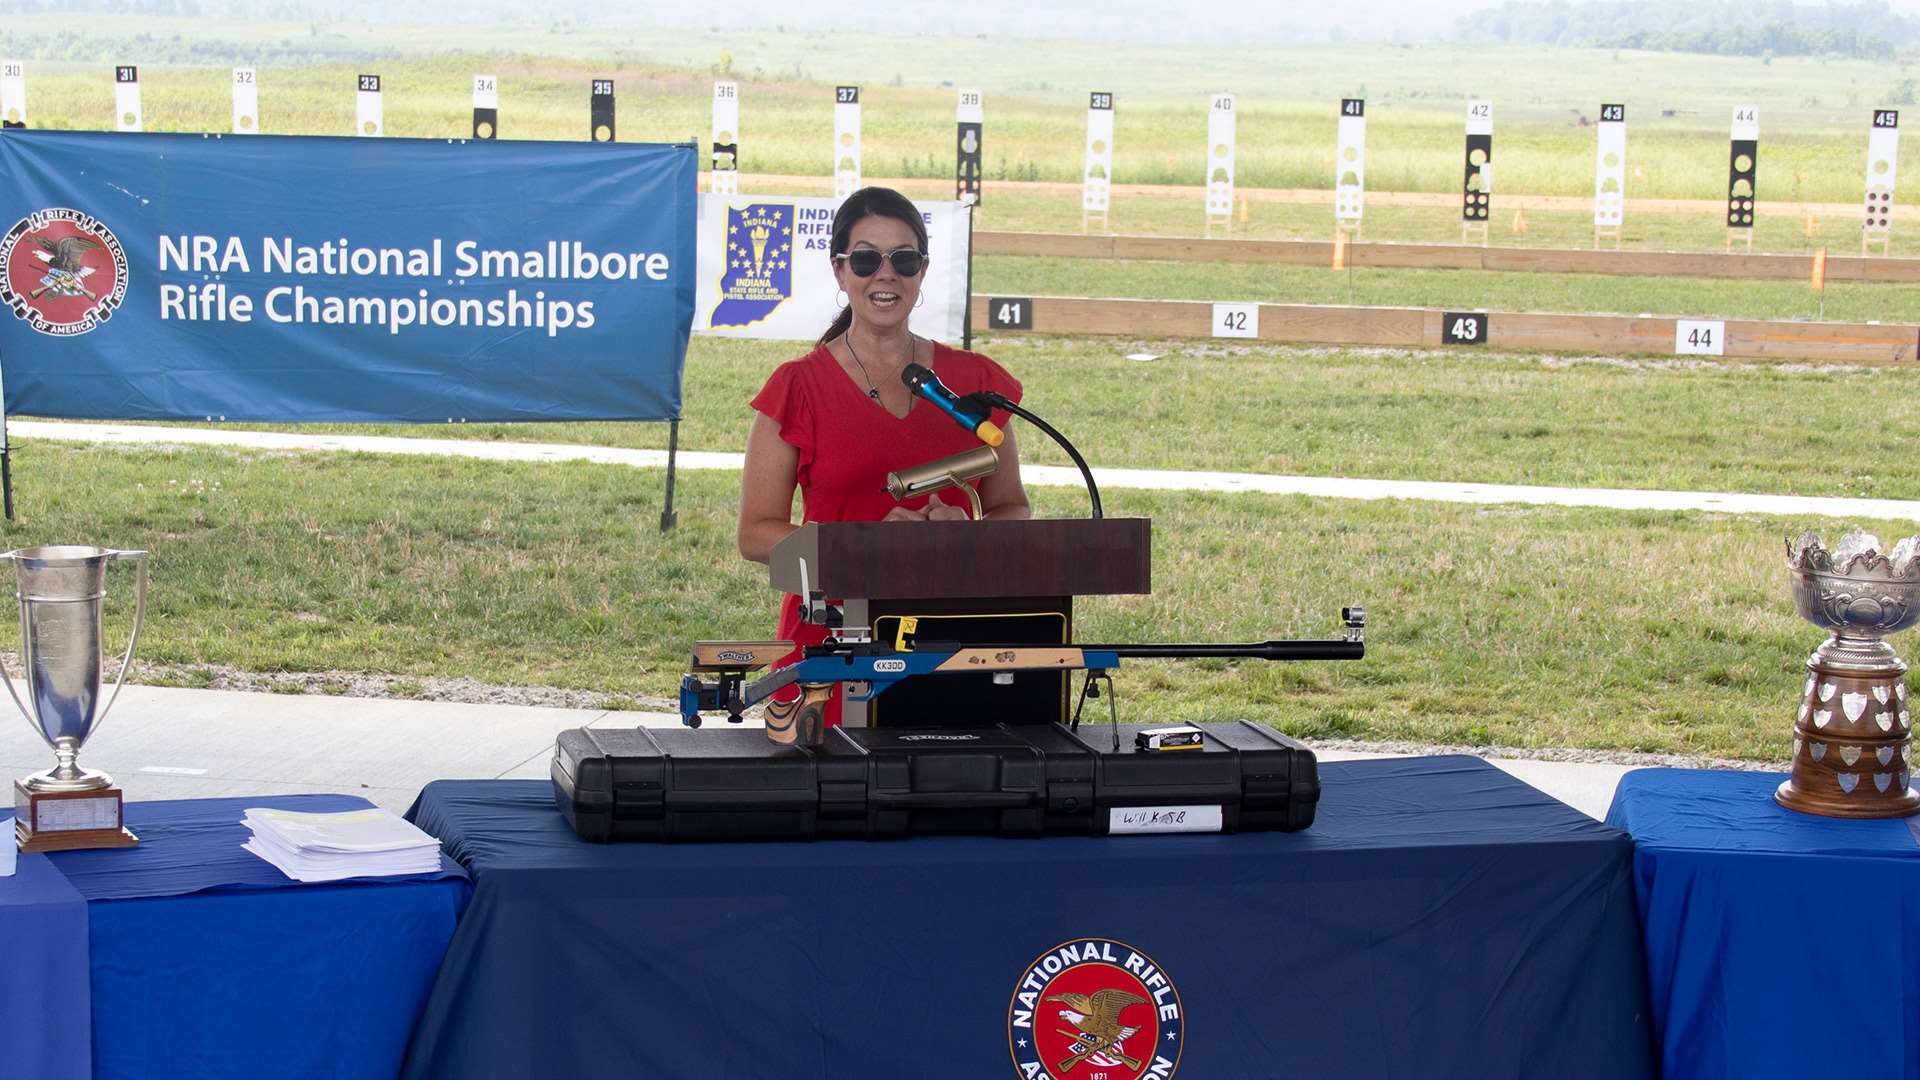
(62, 271)
(1095, 1009)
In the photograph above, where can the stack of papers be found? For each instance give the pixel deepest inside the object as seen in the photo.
(348, 844)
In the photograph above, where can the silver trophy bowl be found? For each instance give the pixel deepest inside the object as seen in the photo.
(1855, 591)
(60, 587)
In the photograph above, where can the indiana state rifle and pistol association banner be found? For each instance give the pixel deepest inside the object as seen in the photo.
(766, 268)
(283, 278)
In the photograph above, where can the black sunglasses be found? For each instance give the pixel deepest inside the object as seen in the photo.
(865, 262)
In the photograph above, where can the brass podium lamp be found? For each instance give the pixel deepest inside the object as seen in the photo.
(954, 471)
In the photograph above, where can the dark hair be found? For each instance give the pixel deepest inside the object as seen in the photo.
(869, 202)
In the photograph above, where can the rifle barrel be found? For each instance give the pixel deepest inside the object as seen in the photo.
(1258, 650)
(1335, 649)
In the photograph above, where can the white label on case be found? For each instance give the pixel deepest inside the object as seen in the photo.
(1125, 820)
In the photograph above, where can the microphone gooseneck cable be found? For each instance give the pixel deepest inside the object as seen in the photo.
(971, 412)
(1001, 401)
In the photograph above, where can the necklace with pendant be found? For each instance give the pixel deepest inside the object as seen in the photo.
(872, 390)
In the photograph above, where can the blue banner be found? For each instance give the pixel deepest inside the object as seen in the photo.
(296, 278)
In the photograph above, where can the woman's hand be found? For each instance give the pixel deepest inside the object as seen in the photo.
(935, 511)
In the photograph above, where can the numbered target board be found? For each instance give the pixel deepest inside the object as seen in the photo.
(1610, 168)
(1220, 154)
(1883, 163)
(1350, 163)
(600, 126)
(13, 93)
(726, 139)
(1477, 189)
(126, 98)
(969, 118)
(486, 107)
(1743, 167)
(1236, 320)
(368, 119)
(1010, 312)
(1099, 168)
(246, 101)
(1699, 337)
(1464, 328)
(846, 141)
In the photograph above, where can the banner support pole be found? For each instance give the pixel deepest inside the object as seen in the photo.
(667, 516)
(6, 454)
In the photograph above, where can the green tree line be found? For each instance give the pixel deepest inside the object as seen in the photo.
(1868, 30)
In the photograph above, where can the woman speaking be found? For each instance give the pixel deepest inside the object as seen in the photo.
(834, 422)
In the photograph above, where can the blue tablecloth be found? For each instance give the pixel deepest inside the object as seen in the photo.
(207, 962)
(1441, 919)
(1778, 944)
(43, 973)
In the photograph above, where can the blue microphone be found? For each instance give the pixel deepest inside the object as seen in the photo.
(925, 383)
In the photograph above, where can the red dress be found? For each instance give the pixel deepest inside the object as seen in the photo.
(848, 443)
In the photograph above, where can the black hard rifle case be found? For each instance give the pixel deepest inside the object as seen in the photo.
(873, 783)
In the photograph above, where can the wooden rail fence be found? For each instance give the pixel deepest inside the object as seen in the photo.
(1871, 343)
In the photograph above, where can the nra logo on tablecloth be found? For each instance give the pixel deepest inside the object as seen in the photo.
(62, 271)
(1095, 1009)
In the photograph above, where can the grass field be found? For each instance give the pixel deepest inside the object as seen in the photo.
(1483, 418)
(1508, 626)
(1814, 110)
(1496, 625)
(1499, 625)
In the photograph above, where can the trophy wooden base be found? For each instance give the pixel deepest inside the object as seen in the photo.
(1852, 744)
(69, 820)
(1904, 803)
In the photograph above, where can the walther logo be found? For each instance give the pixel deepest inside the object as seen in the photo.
(938, 738)
(737, 656)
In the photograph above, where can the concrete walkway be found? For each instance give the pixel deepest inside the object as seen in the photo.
(1040, 475)
(166, 743)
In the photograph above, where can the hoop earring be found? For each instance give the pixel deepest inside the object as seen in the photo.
(841, 298)
(920, 298)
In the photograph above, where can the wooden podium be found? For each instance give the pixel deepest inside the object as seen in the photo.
(966, 581)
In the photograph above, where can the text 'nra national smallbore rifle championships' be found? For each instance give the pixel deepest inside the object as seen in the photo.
(867, 669)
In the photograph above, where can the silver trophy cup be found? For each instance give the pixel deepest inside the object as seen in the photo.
(60, 589)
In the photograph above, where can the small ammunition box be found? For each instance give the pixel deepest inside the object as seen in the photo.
(1169, 738)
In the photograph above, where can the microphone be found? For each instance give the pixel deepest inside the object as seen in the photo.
(925, 383)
